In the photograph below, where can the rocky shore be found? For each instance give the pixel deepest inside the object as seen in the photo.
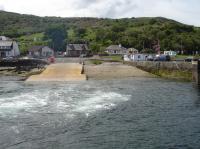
(21, 69)
(13, 73)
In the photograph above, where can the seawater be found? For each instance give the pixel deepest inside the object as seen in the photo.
(136, 113)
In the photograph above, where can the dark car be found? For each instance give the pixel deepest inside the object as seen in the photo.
(162, 58)
(190, 59)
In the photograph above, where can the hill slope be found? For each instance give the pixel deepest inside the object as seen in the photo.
(141, 33)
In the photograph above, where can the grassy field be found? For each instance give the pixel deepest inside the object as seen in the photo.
(96, 62)
(28, 41)
(186, 56)
(113, 57)
(33, 37)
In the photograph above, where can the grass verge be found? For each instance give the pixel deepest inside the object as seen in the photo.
(96, 62)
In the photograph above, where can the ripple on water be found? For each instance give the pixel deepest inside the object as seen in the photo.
(60, 100)
(145, 113)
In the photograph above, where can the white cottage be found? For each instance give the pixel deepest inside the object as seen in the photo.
(8, 48)
(41, 52)
(116, 50)
(170, 53)
(138, 57)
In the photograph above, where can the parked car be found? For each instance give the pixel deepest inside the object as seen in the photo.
(150, 58)
(190, 59)
(162, 58)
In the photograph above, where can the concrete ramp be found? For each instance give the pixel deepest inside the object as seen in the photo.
(60, 72)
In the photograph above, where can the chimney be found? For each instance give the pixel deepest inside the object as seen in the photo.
(120, 45)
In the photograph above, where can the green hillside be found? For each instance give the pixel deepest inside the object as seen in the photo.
(141, 33)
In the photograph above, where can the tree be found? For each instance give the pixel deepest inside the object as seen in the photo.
(80, 32)
(57, 35)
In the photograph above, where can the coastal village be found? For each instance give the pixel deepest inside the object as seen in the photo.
(99, 74)
(80, 53)
(9, 49)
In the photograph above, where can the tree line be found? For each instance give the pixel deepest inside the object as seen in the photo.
(140, 33)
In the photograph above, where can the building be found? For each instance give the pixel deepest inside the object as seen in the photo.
(41, 52)
(116, 50)
(139, 57)
(170, 53)
(133, 51)
(8, 48)
(4, 38)
(76, 50)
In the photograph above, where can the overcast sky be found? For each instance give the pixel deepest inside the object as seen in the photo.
(186, 11)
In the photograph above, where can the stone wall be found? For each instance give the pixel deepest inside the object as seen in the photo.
(23, 63)
(196, 72)
(174, 70)
(149, 65)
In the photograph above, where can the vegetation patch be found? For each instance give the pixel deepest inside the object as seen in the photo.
(178, 75)
(96, 62)
(171, 74)
(115, 58)
(140, 33)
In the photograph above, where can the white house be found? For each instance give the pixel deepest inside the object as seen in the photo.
(116, 50)
(139, 57)
(127, 58)
(170, 53)
(136, 57)
(41, 52)
(8, 48)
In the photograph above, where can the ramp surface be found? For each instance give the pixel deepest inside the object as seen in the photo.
(60, 72)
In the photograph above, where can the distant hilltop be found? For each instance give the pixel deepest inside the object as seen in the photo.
(24, 24)
(140, 33)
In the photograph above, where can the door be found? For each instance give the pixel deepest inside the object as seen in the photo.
(3, 54)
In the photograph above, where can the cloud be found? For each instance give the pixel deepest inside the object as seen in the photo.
(181, 10)
(2, 7)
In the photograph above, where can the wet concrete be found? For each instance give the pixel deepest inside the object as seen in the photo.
(60, 72)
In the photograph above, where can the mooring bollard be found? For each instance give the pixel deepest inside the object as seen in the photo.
(196, 71)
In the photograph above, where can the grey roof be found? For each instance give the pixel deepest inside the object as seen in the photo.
(115, 47)
(36, 48)
(6, 43)
(77, 47)
(4, 38)
(132, 49)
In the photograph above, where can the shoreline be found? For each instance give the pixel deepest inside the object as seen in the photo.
(103, 71)
(12, 73)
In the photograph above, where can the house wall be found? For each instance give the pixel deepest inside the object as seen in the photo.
(74, 53)
(10, 53)
(138, 57)
(34, 54)
(116, 52)
(171, 53)
(13, 52)
(46, 52)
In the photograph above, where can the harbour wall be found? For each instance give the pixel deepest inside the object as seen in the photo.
(172, 70)
(23, 63)
(196, 72)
